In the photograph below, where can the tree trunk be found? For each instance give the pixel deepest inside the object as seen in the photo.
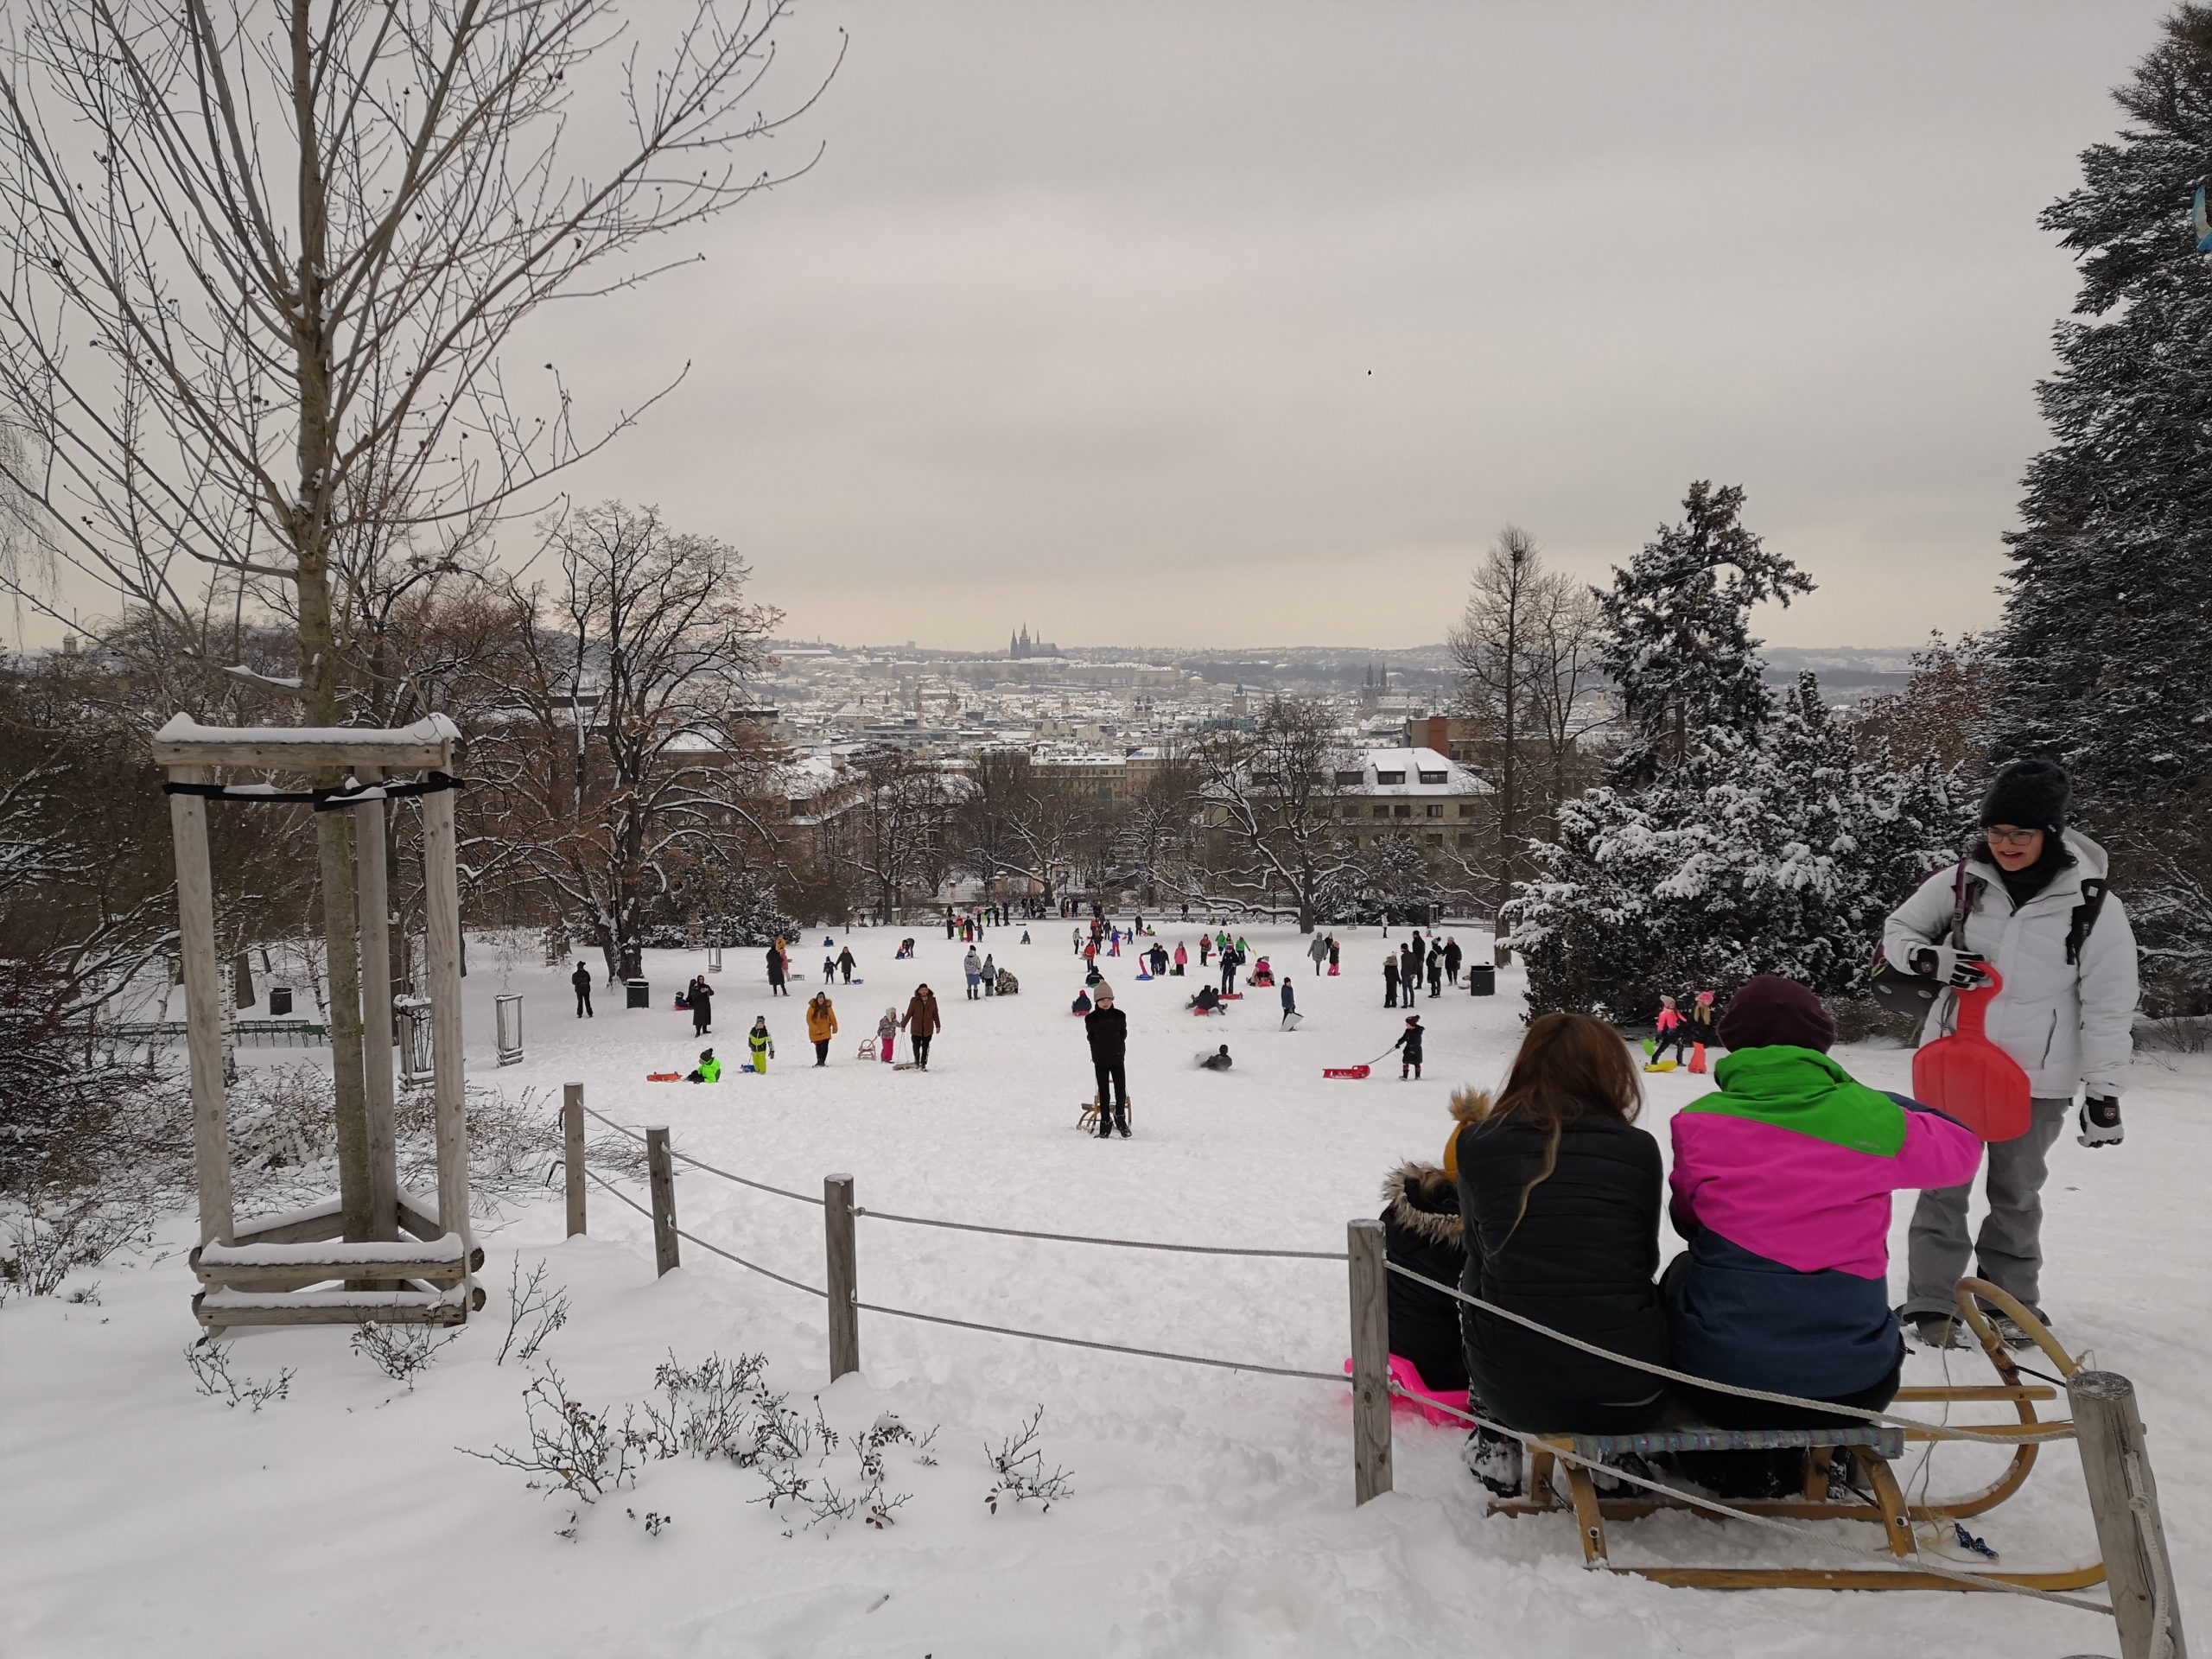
(242, 995)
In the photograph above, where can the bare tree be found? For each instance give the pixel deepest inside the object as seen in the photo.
(1271, 796)
(264, 263)
(636, 748)
(1499, 673)
(895, 836)
(1526, 649)
(1155, 833)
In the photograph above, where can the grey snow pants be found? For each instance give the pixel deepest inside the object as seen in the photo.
(2008, 1252)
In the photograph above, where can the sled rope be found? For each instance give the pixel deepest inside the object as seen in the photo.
(1938, 1431)
(1889, 1563)
(717, 1250)
(1085, 1238)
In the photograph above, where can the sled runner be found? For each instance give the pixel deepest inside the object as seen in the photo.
(1088, 1119)
(1868, 1451)
(1967, 1077)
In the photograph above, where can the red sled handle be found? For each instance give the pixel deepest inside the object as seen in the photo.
(1974, 1005)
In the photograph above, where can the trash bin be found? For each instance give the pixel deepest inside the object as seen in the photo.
(280, 999)
(641, 994)
(1482, 979)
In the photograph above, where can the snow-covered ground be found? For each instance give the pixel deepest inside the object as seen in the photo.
(1212, 1511)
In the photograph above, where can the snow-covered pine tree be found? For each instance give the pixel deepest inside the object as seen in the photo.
(1675, 638)
(1780, 852)
(2105, 652)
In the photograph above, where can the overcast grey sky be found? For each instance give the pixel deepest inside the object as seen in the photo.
(1240, 323)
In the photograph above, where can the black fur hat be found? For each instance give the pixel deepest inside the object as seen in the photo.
(2028, 794)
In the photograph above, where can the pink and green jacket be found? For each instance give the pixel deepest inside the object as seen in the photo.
(1781, 1183)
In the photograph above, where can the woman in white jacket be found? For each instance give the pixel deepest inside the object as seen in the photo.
(2035, 908)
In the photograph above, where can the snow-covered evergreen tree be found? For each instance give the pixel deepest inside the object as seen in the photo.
(1778, 853)
(2105, 654)
(1676, 641)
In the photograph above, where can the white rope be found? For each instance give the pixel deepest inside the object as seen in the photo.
(1084, 1238)
(1103, 1347)
(766, 1273)
(1886, 1563)
(1940, 1431)
(685, 1157)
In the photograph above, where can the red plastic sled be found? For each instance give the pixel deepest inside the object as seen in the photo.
(1967, 1077)
(1419, 1396)
(1346, 1071)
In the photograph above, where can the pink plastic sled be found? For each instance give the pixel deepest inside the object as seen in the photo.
(1407, 1376)
(1345, 1070)
(1967, 1077)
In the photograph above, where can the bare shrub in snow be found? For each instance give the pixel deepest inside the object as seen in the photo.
(2181, 1033)
(654, 1521)
(719, 1410)
(284, 1141)
(573, 1448)
(1018, 1466)
(535, 1311)
(1861, 1020)
(402, 1352)
(210, 1363)
(51, 1235)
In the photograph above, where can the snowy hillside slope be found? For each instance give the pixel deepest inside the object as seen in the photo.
(1211, 1512)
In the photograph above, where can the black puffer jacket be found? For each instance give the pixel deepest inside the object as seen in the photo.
(1422, 1233)
(1580, 1261)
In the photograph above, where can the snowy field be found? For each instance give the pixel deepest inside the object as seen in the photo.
(1211, 1512)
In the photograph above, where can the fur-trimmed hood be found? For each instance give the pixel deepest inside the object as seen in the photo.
(1424, 1201)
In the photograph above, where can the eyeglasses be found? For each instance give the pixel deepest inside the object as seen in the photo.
(2011, 837)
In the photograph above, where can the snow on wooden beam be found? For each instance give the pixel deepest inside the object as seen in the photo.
(315, 1221)
(219, 1309)
(428, 743)
(293, 1266)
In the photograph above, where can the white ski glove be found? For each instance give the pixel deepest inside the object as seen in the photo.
(2100, 1121)
(1961, 969)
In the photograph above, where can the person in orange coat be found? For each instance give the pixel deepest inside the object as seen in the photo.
(821, 1026)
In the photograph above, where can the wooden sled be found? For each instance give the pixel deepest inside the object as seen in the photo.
(1088, 1121)
(1867, 1449)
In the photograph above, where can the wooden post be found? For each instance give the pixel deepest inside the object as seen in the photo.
(572, 1152)
(203, 1013)
(442, 885)
(663, 1183)
(844, 1291)
(373, 908)
(1370, 1361)
(2130, 1536)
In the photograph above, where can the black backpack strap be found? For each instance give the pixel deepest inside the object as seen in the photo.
(2085, 919)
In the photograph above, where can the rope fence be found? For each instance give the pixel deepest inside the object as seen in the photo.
(1117, 1243)
(2145, 1574)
